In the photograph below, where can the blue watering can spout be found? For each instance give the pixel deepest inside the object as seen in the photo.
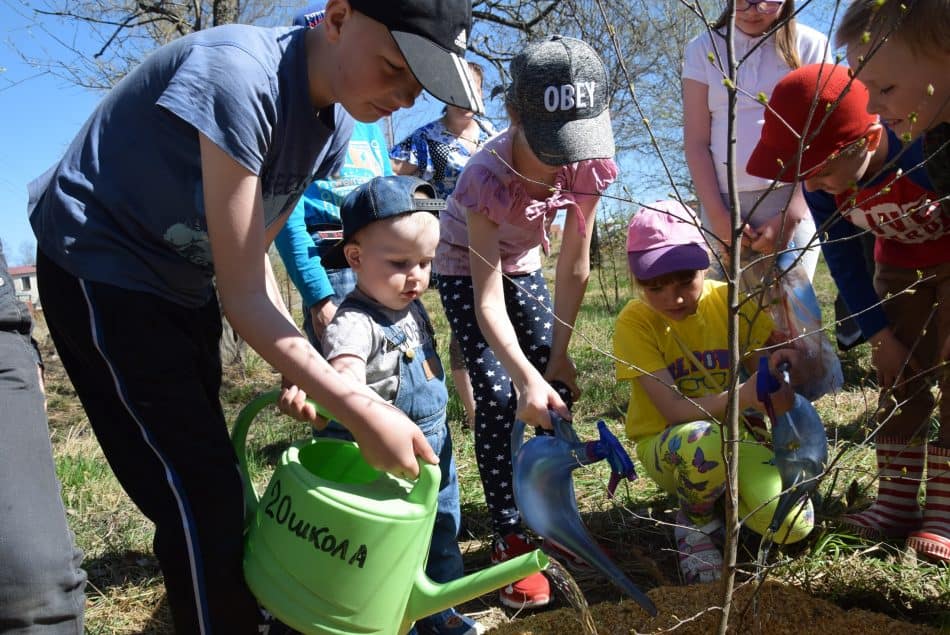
(544, 491)
(800, 444)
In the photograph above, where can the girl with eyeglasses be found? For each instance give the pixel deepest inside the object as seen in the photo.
(787, 46)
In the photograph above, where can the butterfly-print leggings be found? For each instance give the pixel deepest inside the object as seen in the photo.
(686, 461)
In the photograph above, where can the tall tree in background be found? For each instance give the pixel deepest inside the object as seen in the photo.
(98, 41)
(94, 43)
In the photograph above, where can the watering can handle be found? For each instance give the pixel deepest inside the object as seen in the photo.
(562, 430)
(239, 438)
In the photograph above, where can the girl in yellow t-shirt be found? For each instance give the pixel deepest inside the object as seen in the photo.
(672, 347)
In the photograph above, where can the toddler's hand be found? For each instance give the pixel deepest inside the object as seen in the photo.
(293, 402)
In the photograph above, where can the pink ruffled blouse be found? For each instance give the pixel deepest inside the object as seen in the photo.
(488, 186)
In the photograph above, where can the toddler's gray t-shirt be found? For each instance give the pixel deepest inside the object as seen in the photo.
(355, 332)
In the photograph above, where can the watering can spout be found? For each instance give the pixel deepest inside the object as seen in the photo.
(428, 597)
(544, 491)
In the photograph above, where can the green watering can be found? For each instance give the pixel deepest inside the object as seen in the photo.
(335, 546)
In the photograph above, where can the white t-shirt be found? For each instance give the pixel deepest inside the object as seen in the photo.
(757, 73)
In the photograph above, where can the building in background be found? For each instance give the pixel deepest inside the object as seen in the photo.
(24, 284)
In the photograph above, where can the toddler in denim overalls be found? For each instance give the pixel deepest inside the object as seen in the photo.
(381, 335)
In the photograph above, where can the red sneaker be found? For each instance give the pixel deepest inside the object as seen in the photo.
(531, 592)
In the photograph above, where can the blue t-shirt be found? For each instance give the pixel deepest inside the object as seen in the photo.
(125, 204)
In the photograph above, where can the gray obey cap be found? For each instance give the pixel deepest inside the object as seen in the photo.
(559, 89)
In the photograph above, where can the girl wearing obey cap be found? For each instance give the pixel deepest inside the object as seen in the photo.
(672, 347)
(557, 154)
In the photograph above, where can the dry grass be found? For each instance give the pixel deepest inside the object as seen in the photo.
(125, 593)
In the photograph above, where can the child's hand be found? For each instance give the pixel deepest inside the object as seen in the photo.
(791, 360)
(534, 401)
(392, 442)
(562, 369)
(782, 399)
(764, 238)
(293, 402)
(321, 314)
(775, 233)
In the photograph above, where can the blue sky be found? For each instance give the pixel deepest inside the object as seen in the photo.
(40, 113)
(38, 117)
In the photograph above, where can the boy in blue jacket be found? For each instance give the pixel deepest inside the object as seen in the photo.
(858, 177)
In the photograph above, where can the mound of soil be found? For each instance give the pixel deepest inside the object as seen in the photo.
(773, 608)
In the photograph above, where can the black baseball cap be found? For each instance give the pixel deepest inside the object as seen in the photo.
(432, 35)
(380, 198)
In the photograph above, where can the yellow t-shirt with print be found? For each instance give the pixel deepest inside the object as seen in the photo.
(645, 341)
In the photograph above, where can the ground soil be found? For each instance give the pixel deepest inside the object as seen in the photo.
(773, 608)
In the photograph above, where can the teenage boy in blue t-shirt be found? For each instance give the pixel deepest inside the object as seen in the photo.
(183, 175)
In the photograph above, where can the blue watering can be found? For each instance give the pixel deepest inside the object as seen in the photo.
(799, 441)
(544, 491)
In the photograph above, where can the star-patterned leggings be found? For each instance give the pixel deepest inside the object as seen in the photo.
(529, 308)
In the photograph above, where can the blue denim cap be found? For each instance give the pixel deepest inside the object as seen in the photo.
(380, 198)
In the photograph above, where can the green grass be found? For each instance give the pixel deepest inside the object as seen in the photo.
(126, 595)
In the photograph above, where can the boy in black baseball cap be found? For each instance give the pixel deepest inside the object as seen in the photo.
(165, 203)
(432, 35)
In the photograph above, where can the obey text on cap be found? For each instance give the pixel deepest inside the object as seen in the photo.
(569, 96)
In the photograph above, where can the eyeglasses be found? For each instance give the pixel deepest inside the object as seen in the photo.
(761, 6)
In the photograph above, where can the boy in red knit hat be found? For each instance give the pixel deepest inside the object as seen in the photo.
(857, 177)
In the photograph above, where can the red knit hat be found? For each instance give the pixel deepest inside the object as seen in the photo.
(828, 128)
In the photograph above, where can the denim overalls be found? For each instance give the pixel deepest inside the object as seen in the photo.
(422, 396)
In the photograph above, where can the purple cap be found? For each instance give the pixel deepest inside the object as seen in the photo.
(665, 237)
